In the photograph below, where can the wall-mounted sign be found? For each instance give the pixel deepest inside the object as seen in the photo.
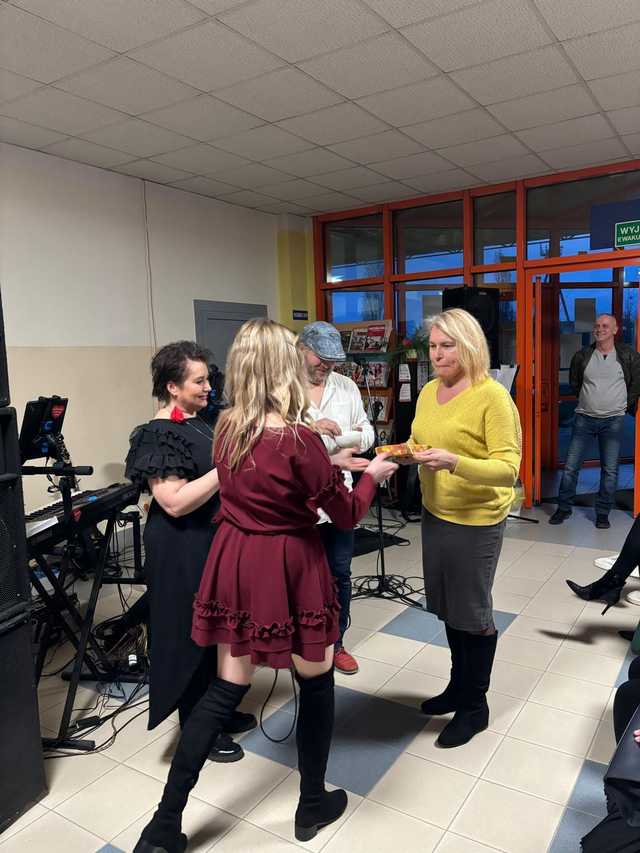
(300, 315)
(627, 233)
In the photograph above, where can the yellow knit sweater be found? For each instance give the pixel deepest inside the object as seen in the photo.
(482, 427)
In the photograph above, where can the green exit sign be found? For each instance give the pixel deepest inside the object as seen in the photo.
(627, 233)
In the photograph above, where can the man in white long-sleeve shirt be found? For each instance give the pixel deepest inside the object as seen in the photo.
(336, 407)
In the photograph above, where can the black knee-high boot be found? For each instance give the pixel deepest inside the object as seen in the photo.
(205, 722)
(449, 699)
(472, 715)
(316, 808)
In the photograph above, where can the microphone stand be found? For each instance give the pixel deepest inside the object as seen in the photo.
(381, 585)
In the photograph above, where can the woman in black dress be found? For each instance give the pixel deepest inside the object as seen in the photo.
(171, 457)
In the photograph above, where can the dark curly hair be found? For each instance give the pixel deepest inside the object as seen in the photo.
(169, 364)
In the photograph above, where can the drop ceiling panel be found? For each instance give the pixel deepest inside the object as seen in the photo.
(214, 7)
(263, 143)
(400, 13)
(572, 18)
(254, 175)
(384, 62)
(584, 155)
(118, 24)
(612, 52)
(277, 207)
(443, 182)
(627, 120)
(379, 146)
(38, 49)
(453, 130)
(87, 152)
(545, 107)
(419, 102)
(348, 179)
(299, 29)
(391, 191)
(280, 94)
(513, 167)
(484, 150)
(517, 76)
(247, 198)
(632, 141)
(416, 164)
(151, 171)
(585, 129)
(296, 190)
(315, 161)
(16, 132)
(334, 124)
(61, 111)
(127, 85)
(200, 160)
(204, 186)
(621, 90)
(470, 36)
(14, 85)
(208, 56)
(203, 117)
(138, 138)
(332, 201)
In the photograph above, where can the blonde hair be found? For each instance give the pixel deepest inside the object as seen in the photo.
(464, 329)
(264, 375)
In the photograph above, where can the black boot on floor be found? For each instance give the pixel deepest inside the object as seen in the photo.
(472, 716)
(317, 808)
(608, 589)
(205, 722)
(240, 723)
(449, 699)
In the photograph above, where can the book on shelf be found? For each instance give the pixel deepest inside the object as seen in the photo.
(345, 336)
(385, 433)
(366, 337)
(383, 415)
(377, 372)
(358, 339)
(352, 370)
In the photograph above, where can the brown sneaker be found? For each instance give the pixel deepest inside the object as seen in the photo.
(344, 662)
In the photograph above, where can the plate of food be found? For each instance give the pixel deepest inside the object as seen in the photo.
(403, 453)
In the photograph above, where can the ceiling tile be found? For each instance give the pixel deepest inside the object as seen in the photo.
(632, 141)
(316, 161)
(298, 29)
(207, 56)
(510, 168)
(348, 179)
(391, 191)
(621, 90)
(584, 129)
(254, 175)
(416, 164)
(296, 190)
(17, 132)
(443, 182)
(40, 50)
(334, 124)
(14, 85)
(573, 18)
(118, 24)
(332, 201)
(612, 52)
(203, 117)
(150, 171)
(87, 152)
(138, 138)
(200, 160)
(384, 62)
(484, 150)
(544, 108)
(263, 143)
(204, 186)
(517, 76)
(419, 102)
(452, 130)
(379, 146)
(278, 207)
(471, 37)
(247, 198)
(61, 111)
(280, 94)
(584, 155)
(214, 7)
(627, 120)
(126, 85)
(399, 13)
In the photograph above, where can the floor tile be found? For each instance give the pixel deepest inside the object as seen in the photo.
(387, 648)
(534, 567)
(433, 660)
(363, 615)
(66, 776)
(471, 758)
(604, 743)
(415, 624)
(586, 666)
(371, 675)
(261, 685)
(423, 789)
(526, 587)
(555, 729)
(545, 606)
(598, 637)
(509, 602)
(540, 630)
(526, 825)
(573, 826)
(237, 788)
(569, 694)
(34, 813)
(374, 827)
(133, 734)
(503, 710)
(452, 843)
(513, 680)
(155, 758)
(529, 653)
(588, 793)
(411, 688)
(245, 837)
(534, 770)
(355, 637)
(55, 835)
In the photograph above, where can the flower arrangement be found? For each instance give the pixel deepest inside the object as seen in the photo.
(414, 348)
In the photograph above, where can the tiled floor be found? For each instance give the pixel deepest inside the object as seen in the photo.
(531, 783)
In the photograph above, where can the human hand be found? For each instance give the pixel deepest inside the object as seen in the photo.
(381, 468)
(347, 461)
(436, 459)
(325, 426)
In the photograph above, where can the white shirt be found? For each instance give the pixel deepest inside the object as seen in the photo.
(342, 402)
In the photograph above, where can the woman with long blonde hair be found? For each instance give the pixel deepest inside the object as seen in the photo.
(267, 596)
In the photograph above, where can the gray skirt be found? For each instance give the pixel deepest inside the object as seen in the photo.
(459, 564)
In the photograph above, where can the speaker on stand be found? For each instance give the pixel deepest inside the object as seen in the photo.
(484, 304)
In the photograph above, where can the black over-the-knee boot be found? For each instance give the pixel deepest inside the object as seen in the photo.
(316, 808)
(449, 699)
(472, 715)
(205, 722)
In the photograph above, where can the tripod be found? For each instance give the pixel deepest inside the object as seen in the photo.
(381, 585)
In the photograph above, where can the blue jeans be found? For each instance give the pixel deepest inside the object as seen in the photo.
(608, 431)
(339, 547)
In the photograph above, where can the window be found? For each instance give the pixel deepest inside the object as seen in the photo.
(428, 238)
(494, 234)
(355, 305)
(354, 248)
(419, 300)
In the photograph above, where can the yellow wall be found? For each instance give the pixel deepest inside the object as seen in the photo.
(296, 286)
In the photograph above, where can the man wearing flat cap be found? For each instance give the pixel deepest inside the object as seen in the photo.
(336, 407)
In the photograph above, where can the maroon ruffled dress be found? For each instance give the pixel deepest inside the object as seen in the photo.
(266, 588)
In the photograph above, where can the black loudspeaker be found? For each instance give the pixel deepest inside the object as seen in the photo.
(484, 304)
(4, 374)
(22, 780)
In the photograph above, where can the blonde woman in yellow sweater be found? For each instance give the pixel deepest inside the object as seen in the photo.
(467, 477)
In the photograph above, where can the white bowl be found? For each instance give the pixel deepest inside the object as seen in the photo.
(353, 438)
